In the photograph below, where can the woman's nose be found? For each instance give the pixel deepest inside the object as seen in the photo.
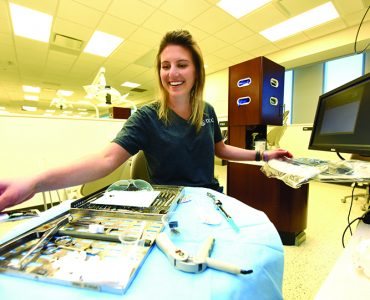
(173, 71)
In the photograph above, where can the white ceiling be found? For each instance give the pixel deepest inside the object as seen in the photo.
(224, 40)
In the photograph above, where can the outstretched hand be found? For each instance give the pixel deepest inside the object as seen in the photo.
(13, 192)
(276, 154)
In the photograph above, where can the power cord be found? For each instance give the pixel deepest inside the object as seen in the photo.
(350, 206)
(364, 218)
(358, 31)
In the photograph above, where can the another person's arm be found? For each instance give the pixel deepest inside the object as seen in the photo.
(95, 166)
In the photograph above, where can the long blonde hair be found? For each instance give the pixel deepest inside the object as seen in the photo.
(184, 39)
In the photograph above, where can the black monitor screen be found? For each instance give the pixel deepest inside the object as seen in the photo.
(342, 120)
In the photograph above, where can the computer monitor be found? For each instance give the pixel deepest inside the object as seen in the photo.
(342, 120)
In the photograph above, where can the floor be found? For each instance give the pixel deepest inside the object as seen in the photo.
(306, 266)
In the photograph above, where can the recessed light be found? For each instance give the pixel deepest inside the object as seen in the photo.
(31, 97)
(29, 108)
(30, 23)
(102, 44)
(238, 8)
(64, 93)
(313, 17)
(130, 84)
(31, 89)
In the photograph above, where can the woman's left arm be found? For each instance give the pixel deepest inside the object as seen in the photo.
(228, 152)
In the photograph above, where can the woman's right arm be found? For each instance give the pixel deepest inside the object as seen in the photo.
(93, 167)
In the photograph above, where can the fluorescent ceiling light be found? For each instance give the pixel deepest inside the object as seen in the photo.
(30, 23)
(50, 111)
(31, 89)
(29, 108)
(64, 93)
(31, 97)
(2, 108)
(102, 44)
(130, 84)
(239, 8)
(316, 16)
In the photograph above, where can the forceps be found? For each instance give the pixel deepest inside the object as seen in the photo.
(44, 234)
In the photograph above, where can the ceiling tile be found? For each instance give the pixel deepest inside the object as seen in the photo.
(355, 18)
(135, 12)
(185, 10)
(211, 59)
(4, 18)
(101, 5)
(346, 7)
(291, 41)
(58, 61)
(146, 37)
(116, 26)
(233, 33)
(161, 22)
(228, 52)
(154, 3)
(78, 13)
(263, 18)
(136, 48)
(211, 44)
(213, 20)
(264, 50)
(72, 29)
(48, 7)
(324, 29)
(295, 7)
(252, 42)
(130, 72)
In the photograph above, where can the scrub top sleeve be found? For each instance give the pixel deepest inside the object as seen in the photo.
(134, 133)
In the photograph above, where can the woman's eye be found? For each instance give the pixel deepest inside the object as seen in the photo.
(182, 66)
(165, 67)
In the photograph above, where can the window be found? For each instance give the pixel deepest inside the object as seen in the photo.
(342, 70)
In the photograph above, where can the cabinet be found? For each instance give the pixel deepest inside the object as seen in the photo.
(285, 207)
(256, 92)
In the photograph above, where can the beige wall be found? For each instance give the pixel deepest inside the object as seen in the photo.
(32, 144)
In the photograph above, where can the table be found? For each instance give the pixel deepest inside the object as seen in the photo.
(345, 281)
(256, 247)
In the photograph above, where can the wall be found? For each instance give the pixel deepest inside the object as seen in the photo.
(216, 91)
(32, 144)
(306, 91)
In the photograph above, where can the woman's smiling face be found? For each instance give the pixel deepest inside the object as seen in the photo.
(177, 71)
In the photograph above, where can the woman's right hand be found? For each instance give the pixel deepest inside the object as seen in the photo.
(15, 191)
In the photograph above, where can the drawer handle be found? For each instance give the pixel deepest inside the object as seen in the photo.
(243, 101)
(244, 82)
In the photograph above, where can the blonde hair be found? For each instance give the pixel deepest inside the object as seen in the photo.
(184, 39)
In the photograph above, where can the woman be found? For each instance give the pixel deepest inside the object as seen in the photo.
(179, 134)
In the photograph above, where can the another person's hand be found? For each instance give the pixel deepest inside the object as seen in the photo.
(276, 154)
(13, 192)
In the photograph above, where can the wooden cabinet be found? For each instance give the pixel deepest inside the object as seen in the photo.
(286, 207)
(256, 93)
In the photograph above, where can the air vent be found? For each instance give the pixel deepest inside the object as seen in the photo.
(138, 90)
(67, 42)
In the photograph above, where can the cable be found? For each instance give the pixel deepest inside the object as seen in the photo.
(350, 206)
(348, 226)
(340, 156)
(358, 31)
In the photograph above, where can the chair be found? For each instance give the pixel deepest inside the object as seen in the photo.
(139, 168)
(275, 134)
